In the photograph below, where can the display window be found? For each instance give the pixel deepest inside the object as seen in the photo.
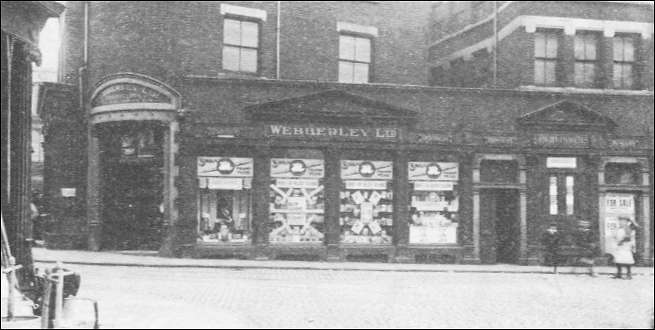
(366, 201)
(225, 200)
(434, 203)
(297, 200)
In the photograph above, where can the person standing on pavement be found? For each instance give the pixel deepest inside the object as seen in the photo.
(624, 247)
(550, 241)
(586, 240)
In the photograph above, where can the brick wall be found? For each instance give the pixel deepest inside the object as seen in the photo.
(168, 40)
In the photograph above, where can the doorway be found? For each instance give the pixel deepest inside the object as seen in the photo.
(500, 227)
(132, 187)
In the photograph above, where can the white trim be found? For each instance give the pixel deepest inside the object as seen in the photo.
(584, 90)
(243, 11)
(351, 27)
(174, 96)
(570, 25)
(132, 106)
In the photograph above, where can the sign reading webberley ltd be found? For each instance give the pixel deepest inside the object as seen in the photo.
(333, 132)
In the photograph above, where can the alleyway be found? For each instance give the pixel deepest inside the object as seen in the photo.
(149, 297)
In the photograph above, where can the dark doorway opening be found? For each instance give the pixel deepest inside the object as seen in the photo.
(132, 187)
(500, 227)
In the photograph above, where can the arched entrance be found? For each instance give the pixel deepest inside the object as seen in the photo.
(131, 168)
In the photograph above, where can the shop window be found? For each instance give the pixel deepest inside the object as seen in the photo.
(570, 199)
(624, 61)
(225, 199)
(586, 59)
(354, 59)
(546, 45)
(622, 174)
(240, 45)
(434, 203)
(297, 200)
(561, 185)
(366, 201)
(553, 195)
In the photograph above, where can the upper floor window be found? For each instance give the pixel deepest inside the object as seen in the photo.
(586, 59)
(624, 62)
(354, 59)
(546, 45)
(240, 45)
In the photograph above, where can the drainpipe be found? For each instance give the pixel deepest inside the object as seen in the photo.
(495, 69)
(83, 70)
(277, 42)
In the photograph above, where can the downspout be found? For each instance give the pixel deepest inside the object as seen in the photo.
(277, 42)
(495, 68)
(10, 59)
(83, 70)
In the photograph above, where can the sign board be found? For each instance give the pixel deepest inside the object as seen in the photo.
(560, 140)
(433, 171)
(68, 192)
(225, 167)
(617, 205)
(129, 93)
(224, 183)
(444, 234)
(297, 183)
(366, 184)
(297, 168)
(433, 186)
(332, 132)
(366, 170)
(561, 162)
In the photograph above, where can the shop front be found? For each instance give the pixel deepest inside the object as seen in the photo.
(322, 185)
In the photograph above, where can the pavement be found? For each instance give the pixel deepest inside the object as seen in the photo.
(150, 259)
(190, 297)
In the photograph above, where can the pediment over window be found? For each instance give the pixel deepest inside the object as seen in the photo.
(332, 105)
(567, 115)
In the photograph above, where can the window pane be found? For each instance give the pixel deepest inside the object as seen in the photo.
(249, 34)
(627, 76)
(539, 45)
(628, 49)
(231, 32)
(361, 73)
(539, 72)
(549, 74)
(231, 58)
(551, 46)
(553, 195)
(248, 60)
(569, 195)
(346, 48)
(618, 49)
(578, 46)
(345, 72)
(363, 50)
(590, 47)
(585, 74)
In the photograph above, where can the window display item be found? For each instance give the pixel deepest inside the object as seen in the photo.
(225, 199)
(297, 200)
(434, 203)
(366, 202)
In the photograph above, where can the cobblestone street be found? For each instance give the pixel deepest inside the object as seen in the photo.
(146, 297)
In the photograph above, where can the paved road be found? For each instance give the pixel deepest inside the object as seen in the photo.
(144, 297)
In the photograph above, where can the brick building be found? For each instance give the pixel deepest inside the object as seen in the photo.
(269, 129)
(21, 23)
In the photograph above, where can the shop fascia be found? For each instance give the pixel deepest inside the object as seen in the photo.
(332, 131)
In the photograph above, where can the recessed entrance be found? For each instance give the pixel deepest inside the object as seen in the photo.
(500, 227)
(131, 186)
